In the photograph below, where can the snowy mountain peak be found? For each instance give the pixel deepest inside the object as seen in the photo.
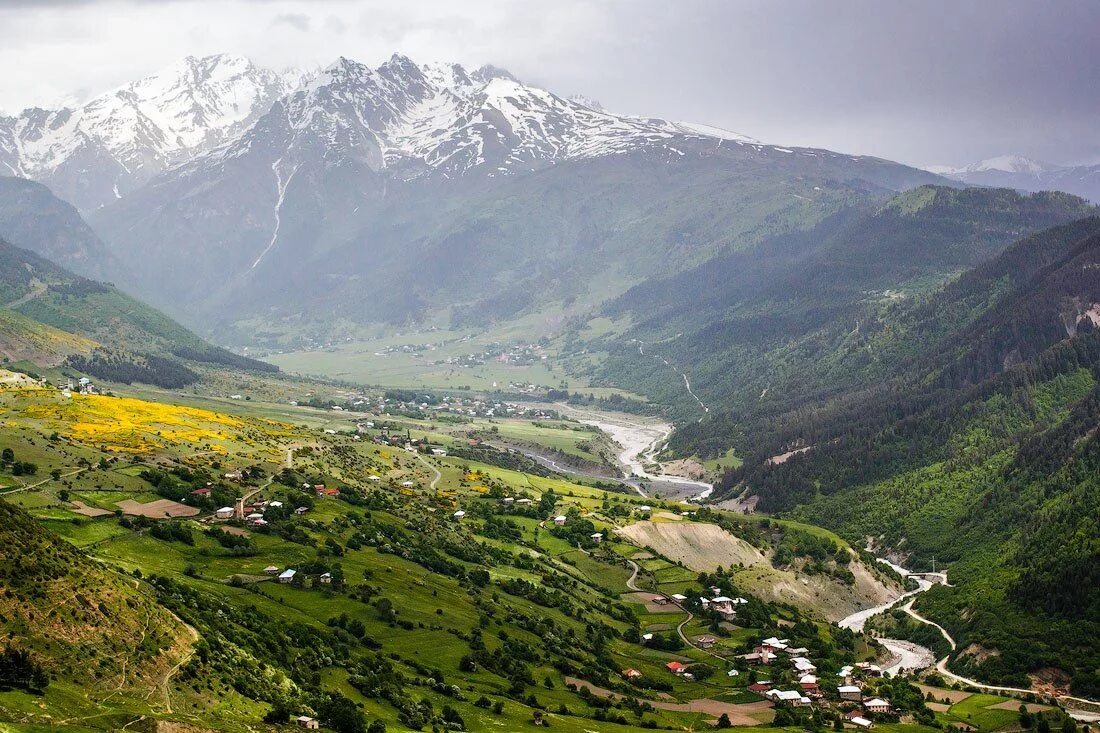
(1009, 164)
(1001, 163)
(442, 118)
(95, 152)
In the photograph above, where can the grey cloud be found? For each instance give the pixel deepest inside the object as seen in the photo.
(928, 82)
(298, 21)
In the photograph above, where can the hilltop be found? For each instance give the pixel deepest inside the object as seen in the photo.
(51, 317)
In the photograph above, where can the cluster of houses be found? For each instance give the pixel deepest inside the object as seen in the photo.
(321, 491)
(850, 690)
(253, 514)
(83, 386)
(724, 606)
(509, 501)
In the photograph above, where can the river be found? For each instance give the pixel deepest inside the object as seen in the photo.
(639, 440)
(909, 656)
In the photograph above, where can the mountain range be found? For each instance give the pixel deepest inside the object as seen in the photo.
(1026, 174)
(433, 177)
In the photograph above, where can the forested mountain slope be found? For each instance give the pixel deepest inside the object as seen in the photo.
(80, 621)
(32, 217)
(49, 315)
(800, 316)
(977, 446)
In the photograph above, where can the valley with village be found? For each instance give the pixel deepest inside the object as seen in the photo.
(461, 560)
(352, 382)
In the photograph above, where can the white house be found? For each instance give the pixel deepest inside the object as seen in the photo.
(774, 643)
(876, 705)
(597, 537)
(304, 721)
(287, 575)
(803, 665)
(559, 520)
(372, 477)
(790, 697)
(226, 512)
(326, 578)
(679, 597)
(860, 722)
(459, 514)
(849, 692)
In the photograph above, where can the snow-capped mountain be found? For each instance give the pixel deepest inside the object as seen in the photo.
(414, 120)
(1027, 174)
(101, 150)
(998, 164)
(381, 193)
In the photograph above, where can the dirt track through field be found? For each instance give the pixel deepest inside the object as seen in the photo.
(748, 714)
(159, 509)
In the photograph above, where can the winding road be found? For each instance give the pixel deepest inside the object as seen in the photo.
(631, 584)
(438, 475)
(857, 620)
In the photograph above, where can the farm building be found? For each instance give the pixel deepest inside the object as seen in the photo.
(286, 576)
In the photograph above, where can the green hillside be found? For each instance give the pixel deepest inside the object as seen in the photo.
(83, 624)
(50, 316)
(975, 444)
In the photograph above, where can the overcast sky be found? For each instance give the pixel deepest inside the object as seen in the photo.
(921, 82)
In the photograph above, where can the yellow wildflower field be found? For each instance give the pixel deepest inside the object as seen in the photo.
(129, 425)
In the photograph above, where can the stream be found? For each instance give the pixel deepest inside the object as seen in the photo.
(910, 656)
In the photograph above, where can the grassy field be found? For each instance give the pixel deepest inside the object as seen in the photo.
(499, 603)
(424, 362)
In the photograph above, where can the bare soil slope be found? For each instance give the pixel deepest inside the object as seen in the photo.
(697, 546)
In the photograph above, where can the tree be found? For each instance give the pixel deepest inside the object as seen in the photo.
(18, 670)
(280, 712)
(7, 456)
(341, 714)
(376, 726)
(724, 721)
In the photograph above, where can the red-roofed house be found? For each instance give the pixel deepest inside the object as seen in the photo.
(675, 667)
